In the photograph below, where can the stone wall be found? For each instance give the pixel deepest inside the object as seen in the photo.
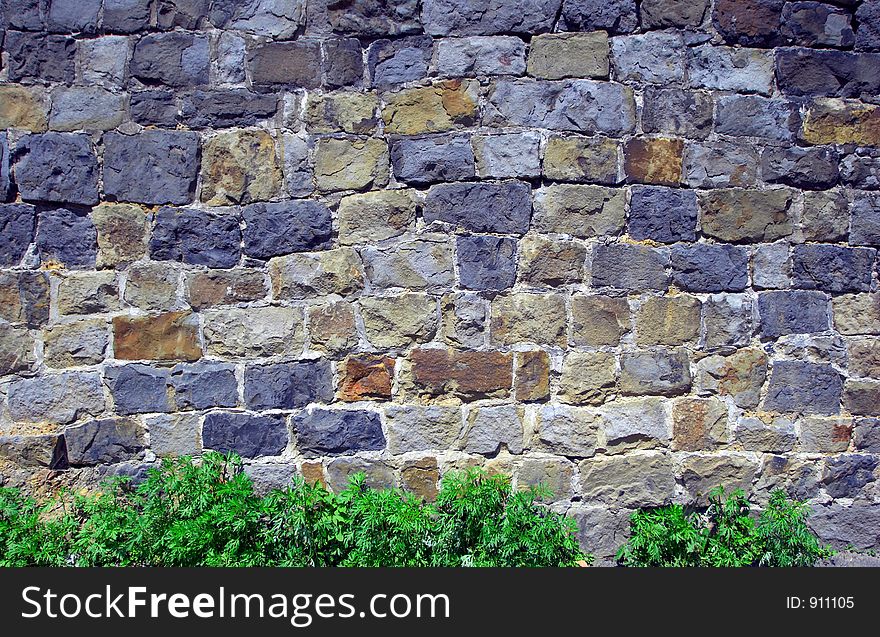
(624, 248)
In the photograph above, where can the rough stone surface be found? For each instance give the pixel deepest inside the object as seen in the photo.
(804, 387)
(239, 168)
(57, 167)
(254, 332)
(164, 337)
(582, 159)
(567, 105)
(432, 159)
(672, 320)
(196, 237)
(247, 435)
(325, 432)
(832, 268)
(152, 167)
(486, 262)
(467, 375)
(661, 372)
(413, 428)
(56, 398)
(740, 376)
(598, 320)
(526, 317)
(629, 267)
(588, 378)
(17, 225)
(792, 312)
(635, 480)
(204, 385)
(555, 56)
(489, 429)
(287, 385)
(481, 55)
(274, 229)
(747, 215)
(138, 389)
(581, 211)
(406, 237)
(66, 237)
(503, 208)
(663, 214)
(105, 441)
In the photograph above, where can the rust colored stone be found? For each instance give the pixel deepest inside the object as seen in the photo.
(420, 477)
(313, 473)
(532, 376)
(654, 161)
(172, 336)
(698, 424)
(226, 287)
(469, 374)
(366, 377)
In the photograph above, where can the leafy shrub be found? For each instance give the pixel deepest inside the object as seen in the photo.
(207, 514)
(725, 535)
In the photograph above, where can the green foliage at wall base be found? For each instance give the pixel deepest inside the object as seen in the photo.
(725, 535)
(207, 514)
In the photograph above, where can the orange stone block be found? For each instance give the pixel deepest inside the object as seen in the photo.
(366, 377)
(468, 374)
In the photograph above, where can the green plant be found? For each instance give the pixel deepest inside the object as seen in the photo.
(207, 514)
(725, 535)
(784, 537)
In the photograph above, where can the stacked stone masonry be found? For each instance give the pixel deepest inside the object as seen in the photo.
(626, 248)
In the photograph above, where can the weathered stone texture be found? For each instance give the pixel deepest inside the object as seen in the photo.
(406, 237)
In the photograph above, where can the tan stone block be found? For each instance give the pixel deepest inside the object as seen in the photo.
(239, 167)
(308, 274)
(172, 336)
(835, 121)
(399, 321)
(351, 164)
(857, 313)
(332, 328)
(88, 293)
(532, 376)
(375, 216)
(598, 320)
(465, 374)
(74, 344)
(583, 159)
(588, 378)
(747, 215)
(225, 287)
(152, 285)
(739, 375)
(699, 424)
(253, 331)
(23, 107)
(529, 318)
(345, 111)
(442, 106)
(421, 478)
(122, 233)
(578, 210)
(668, 320)
(553, 56)
(552, 263)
